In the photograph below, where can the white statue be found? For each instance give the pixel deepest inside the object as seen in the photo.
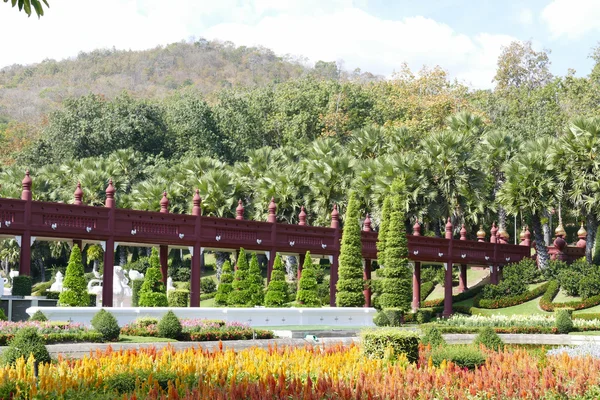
(121, 290)
(6, 291)
(133, 275)
(57, 286)
(170, 284)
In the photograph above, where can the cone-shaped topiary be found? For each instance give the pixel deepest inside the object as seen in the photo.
(308, 295)
(256, 283)
(106, 323)
(225, 285)
(383, 230)
(75, 284)
(240, 296)
(277, 292)
(350, 285)
(169, 326)
(153, 292)
(396, 285)
(26, 342)
(38, 316)
(154, 260)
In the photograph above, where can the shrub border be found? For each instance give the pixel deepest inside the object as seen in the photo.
(511, 300)
(459, 297)
(546, 303)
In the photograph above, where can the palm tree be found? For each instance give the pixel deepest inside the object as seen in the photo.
(9, 254)
(530, 187)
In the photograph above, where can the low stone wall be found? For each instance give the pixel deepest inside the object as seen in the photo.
(335, 316)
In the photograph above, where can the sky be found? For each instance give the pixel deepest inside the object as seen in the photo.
(464, 37)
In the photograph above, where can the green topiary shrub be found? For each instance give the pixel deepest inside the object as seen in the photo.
(433, 337)
(106, 323)
(376, 342)
(75, 292)
(256, 283)
(308, 295)
(178, 298)
(277, 292)
(395, 315)
(21, 285)
(169, 326)
(26, 342)
(208, 285)
(350, 284)
(381, 319)
(489, 338)
(240, 295)
(38, 316)
(225, 285)
(563, 321)
(469, 357)
(153, 292)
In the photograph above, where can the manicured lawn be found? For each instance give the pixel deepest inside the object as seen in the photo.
(595, 309)
(207, 303)
(528, 308)
(474, 276)
(143, 339)
(562, 297)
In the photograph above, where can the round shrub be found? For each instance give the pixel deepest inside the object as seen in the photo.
(489, 338)
(208, 285)
(381, 319)
(38, 316)
(106, 323)
(564, 323)
(169, 326)
(395, 315)
(26, 342)
(433, 337)
(462, 356)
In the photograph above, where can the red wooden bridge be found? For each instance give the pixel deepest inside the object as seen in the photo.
(28, 221)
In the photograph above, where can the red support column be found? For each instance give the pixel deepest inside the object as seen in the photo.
(462, 276)
(448, 275)
(272, 218)
(197, 257)
(25, 252)
(367, 278)
(109, 251)
(494, 267)
(163, 254)
(416, 280)
(333, 275)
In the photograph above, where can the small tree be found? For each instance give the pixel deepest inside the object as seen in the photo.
(256, 283)
(396, 285)
(277, 292)
(383, 229)
(350, 285)
(75, 285)
(153, 292)
(240, 296)
(308, 294)
(225, 285)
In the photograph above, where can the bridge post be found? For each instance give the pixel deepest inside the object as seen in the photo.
(367, 266)
(333, 277)
(301, 256)
(272, 218)
(197, 260)
(78, 201)
(462, 277)
(25, 252)
(416, 282)
(109, 249)
(163, 250)
(448, 274)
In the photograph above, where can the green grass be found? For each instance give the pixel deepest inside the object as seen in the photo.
(527, 308)
(143, 339)
(562, 297)
(586, 333)
(595, 309)
(474, 276)
(207, 303)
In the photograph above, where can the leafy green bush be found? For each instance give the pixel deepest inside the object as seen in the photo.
(141, 265)
(169, 326)
(153, 291)
(563, 321)
(106, 323)
(506, 288)
(225, 285)
(136, 286)
(308, 295)
(510, 301)
(26, 342)
(569, 282)
(424, 315)
(554, 269)
(433, 337)
(525, 271)
(75, 292)
(178, 298)
(277, 292)
(208, 285)
(462, 356)
(395, 316)
(381, 319)
(21, 285)
(589, 286)
(38, 316)
(376, 342)
(489, 338)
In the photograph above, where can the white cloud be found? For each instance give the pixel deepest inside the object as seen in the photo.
(572, 18)
(525, 16)
(318, 30)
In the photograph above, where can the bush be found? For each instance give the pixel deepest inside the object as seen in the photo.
(506, 288)
(208, 285)
(256, 283)
(424, 315)
(510, 301)
(178, 298)
(277, 292)
(93, 299)
(525, 271)
(395, 316)
(308, 295)
(38, 316)
(569, 282)
(169, 326)
(381, 319)
(106, 323)
(181, 274)
(225, 285)
(2, 315)
(489, 338)
(564, 323)
(376, 342)
(136, 286)
(554, 269)
(26, 342)
(323, 291)
(21, 285)
(589, 286)
(240, 296)
(383, 229)
(52, 295)
(433, 337)
(462, 356)
(75, 292)
(153, 291)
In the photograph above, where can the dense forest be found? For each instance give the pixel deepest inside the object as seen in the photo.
(242, 123)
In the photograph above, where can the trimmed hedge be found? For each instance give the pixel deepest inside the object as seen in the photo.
(21, 285)
(546, 303)
(469, 357)
(179, 298)
(586, 316)
(426, 289)
(376, 342)
(511, 300)
(54, 338)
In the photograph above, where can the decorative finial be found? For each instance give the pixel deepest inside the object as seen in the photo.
(110, 194)
(26, 193)
(417, 228)
(367, 225)
(239, 211)
(78, 195)
(449, 229)
(582, 235)
(197, 203)
(480, 234)
(335, 217)
(560, 231)
(272, 210)
(164, 203)
(494, 231)
(463, 232)
(302, 216)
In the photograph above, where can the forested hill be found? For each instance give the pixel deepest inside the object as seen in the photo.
(31, 91)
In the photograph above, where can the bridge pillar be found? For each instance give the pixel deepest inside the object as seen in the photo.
(163, 255)
(197, 261)
(462, 278)
(367, 278)
(448, 290)
(109, 249)
(333, 276)
(416, 282)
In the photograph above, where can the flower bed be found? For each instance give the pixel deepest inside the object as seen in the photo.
(51, 332)
(335, 372)
(546, 303)
(510, 301)
(199, 330)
